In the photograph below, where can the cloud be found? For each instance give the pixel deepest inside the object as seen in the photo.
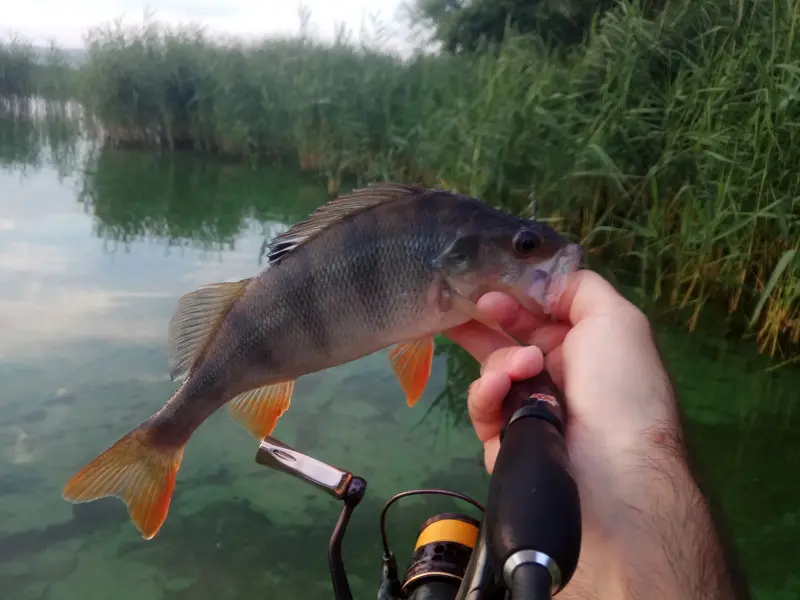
(194, 9)
(67, 22)
(52, 294)
(25, 257)
(38, 316)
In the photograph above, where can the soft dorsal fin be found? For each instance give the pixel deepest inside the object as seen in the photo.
(335, 210)
(196, 319)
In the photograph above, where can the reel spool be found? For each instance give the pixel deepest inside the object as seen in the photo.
(442, 551)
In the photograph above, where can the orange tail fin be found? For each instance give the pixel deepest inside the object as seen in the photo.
(134, 470)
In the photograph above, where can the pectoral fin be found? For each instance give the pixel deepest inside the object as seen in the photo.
(411, 362)
(258, 410)
(195, 320)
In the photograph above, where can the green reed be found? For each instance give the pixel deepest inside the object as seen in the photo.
(26, 72)
(666, 142)
(17, 66)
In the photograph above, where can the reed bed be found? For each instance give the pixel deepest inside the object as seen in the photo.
(27, 72)
(668, 141)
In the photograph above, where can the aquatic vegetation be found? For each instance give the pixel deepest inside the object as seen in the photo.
(26, 71)
(16, 68)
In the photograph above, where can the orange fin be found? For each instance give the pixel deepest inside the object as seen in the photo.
(134, 470)
(411, 362)
(259, 409)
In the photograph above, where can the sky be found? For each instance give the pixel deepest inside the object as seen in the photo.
(67, 21)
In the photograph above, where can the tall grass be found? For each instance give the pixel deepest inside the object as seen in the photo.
(26, 72)
(17, 61)
(669, 142)
(333, 108)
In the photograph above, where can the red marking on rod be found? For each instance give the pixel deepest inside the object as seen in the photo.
(545, 398)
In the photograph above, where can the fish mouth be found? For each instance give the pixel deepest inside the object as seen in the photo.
(550, 276)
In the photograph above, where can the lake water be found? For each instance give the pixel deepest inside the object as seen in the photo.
(97, 245)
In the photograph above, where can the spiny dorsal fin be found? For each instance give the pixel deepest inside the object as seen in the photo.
(335, 210)
(195, 320)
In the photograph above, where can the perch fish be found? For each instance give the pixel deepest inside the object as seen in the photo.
(388, 265)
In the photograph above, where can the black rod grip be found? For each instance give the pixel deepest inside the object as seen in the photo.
(533, 500)
(438, 589)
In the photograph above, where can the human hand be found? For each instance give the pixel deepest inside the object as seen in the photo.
(599, 352)
(623, 433)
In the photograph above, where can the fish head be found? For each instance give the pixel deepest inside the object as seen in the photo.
(523, 258)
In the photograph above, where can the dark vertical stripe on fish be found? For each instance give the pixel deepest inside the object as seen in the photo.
(242, 333)
(308, 312)
(241, 323)
(366, 272)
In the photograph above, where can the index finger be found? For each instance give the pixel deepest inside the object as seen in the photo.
(510, 315)
(479, 339)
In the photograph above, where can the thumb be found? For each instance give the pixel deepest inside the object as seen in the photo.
(586, 295)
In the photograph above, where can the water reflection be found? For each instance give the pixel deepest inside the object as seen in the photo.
(187, 201)
(97, 245)
(35, 133)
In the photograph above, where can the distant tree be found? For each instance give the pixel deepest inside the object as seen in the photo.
(464, 25)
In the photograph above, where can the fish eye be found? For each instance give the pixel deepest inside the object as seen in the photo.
(526, 242)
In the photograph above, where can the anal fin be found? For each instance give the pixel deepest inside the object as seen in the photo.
(412, 362)
(259, 409)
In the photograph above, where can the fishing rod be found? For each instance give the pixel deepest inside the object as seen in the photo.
(526, 544)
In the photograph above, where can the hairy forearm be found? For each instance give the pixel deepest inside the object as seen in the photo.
(673, 548)
(659, 541)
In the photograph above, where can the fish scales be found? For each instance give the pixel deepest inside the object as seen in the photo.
(370, 278)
